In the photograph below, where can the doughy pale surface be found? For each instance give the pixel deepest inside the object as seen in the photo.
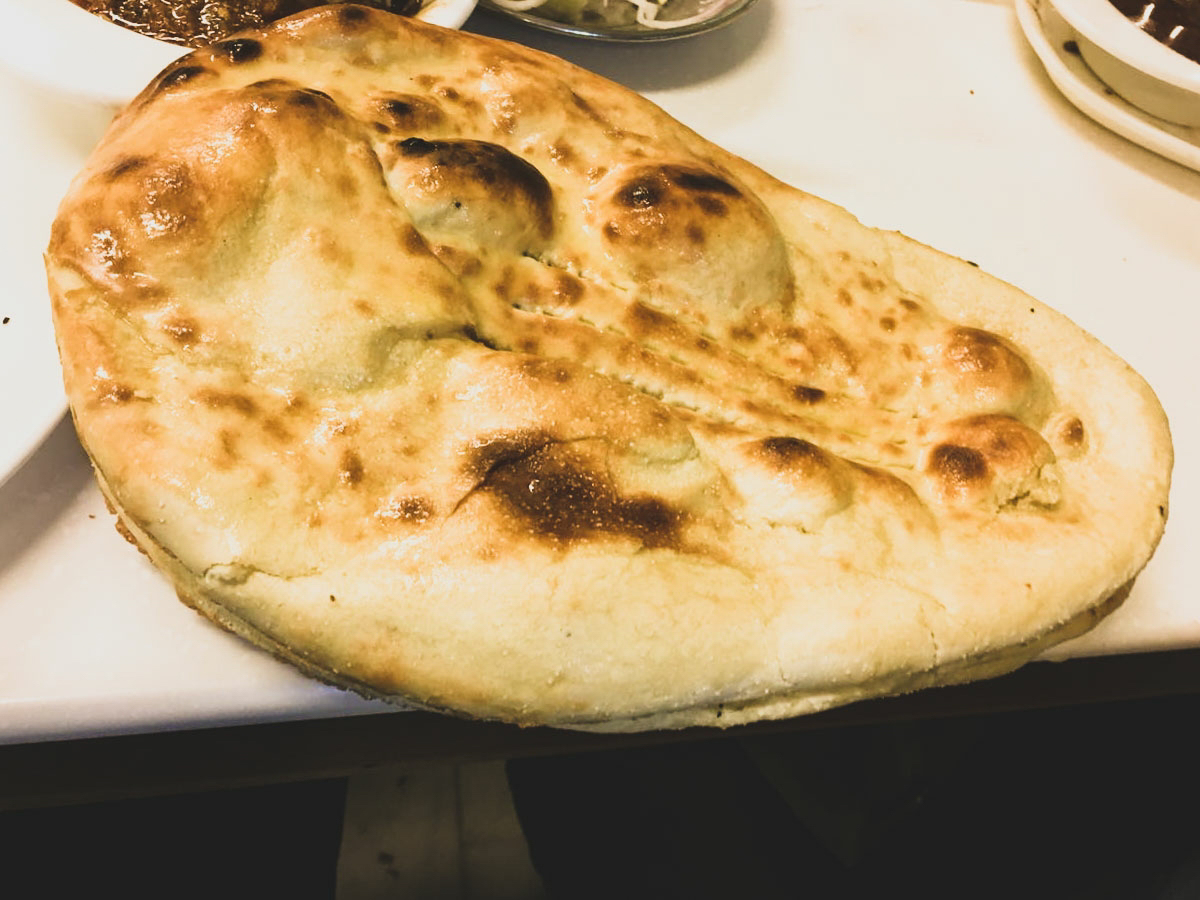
(459, 376)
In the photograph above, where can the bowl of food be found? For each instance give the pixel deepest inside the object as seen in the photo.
(107, 50)
(623, 20)
(1146, 51)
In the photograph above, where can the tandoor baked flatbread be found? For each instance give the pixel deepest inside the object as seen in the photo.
(459, 376)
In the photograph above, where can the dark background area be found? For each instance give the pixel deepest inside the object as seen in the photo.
(1092, 801)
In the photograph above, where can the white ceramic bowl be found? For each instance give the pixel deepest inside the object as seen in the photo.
(1143, 71)
(58, 45)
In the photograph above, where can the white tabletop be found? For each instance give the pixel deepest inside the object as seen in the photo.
(928, 116)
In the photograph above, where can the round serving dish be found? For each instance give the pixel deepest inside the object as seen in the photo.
(707, 16)
(1143, 71)
(58, 45)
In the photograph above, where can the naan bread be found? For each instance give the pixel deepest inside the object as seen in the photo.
(456, 375)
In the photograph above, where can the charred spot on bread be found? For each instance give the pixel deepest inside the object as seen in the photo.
(973, 351)
(352, 17)
(182, 330)
(656, 196)
(410, 112)
(644, 193)
(995, 460)
(643, 319)
(413, 510)
(236, 401)
(1072, 433)
(127, 165)
(490, 164)
(550, 493)
(957, 467)
(176, 76)
(807, 394)
(239, 50)
(699, 181)
(1005, 442)
(790, 453)
(109, 391)
(496, 450)
(473, 188)
(311, 98)
(350, 468)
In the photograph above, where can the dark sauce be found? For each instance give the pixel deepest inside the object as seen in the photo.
(1175, 23)
(197, 23)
